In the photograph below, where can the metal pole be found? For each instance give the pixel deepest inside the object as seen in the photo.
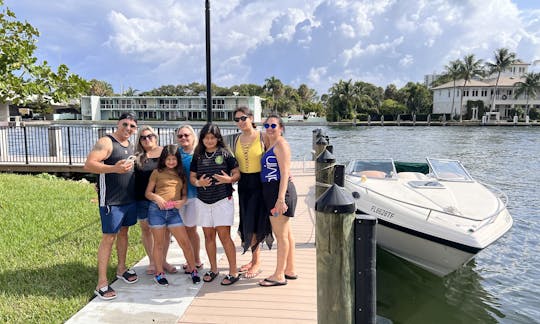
(208, 65)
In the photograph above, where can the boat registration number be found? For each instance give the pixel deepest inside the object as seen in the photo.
(382, 212)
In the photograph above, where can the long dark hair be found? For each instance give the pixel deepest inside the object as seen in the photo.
(172, 149)
(210, 129)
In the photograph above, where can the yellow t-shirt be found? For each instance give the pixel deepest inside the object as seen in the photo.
(249, 155)
(168, 184)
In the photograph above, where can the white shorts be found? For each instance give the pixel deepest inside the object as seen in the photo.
(220, 213)
(189, 213)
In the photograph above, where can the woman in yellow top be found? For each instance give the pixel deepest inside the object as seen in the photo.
(254, 226)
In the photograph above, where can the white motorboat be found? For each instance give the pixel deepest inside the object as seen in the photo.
(433, 214)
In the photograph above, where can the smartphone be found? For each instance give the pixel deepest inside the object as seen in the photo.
(274, 212)
(130, 159)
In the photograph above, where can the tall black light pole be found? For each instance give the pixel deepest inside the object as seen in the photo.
(208, 65)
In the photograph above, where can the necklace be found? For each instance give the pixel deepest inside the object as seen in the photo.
(211, 155)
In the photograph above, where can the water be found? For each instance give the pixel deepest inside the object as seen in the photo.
(501, 284)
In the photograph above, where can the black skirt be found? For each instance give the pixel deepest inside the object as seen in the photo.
(254, 219)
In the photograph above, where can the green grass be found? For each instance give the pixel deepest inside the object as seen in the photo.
(49, 234)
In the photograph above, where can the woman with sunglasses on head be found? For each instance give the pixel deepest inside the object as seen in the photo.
(279, 199)
(187, 140)
(254, 226)
(147, 153)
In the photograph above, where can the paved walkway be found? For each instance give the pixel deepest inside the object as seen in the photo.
(243, 302)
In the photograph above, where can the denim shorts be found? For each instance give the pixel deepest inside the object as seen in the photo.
(163, 218)
(142, 209)
(114, 217)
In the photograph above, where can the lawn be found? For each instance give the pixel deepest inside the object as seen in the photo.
(49, 234)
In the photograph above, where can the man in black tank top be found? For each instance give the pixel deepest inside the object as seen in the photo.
(117, 206)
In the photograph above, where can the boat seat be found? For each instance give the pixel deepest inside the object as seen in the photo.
(412, 176)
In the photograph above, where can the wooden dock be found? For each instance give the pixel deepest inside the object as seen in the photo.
(246, 301)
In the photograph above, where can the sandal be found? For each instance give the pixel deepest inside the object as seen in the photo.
(103, 291)
(291, 277)
(209, 276)
(245, 268)
(231, 280)
(185, 266)
(150, 270)
(129, 276)
(272, 283)
(169, 268)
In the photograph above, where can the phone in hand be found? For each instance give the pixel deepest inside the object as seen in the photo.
(130, 159)
(274, 212)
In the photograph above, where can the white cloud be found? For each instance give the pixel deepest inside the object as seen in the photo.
(314, 42)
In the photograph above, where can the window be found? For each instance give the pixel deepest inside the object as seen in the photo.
(474, 93)
(484, 93)
(465, 93)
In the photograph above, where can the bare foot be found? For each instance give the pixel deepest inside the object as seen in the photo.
(245, 267)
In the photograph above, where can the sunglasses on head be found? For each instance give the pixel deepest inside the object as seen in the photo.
(243, 118)
(182, 135)
(147, 137)
(270, 125)
(132, 126)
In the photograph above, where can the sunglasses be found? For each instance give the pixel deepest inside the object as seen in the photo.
(243, 118)
(270, 125)
(132, 126)
(147, 137)
(182, 135)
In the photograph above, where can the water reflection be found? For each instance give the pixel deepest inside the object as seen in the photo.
(409, 294)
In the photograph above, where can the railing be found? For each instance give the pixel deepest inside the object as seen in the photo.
(67, 145)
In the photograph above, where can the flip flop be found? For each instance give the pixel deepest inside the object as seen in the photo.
(101, 292)
(291, 277)
(150, 270)
(170, 269)
(250, 275)
(231, 280)
(129, 276)
(245, 268)
(210, 274)
(272, 283)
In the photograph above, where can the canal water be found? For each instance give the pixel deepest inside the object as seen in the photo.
(502, 284)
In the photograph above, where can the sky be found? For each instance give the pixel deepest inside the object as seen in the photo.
(147, 44)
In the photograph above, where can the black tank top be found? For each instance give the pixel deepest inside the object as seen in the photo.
(115, 188)
(142, 176)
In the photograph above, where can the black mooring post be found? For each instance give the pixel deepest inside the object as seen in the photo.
(208, 65)
(365, 301)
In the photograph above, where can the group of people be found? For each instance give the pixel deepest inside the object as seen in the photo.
(172, 190)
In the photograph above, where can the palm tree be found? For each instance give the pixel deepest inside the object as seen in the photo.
(503, 59)
(470, 68)
(275, 86)
(453, 71)
(342, 100)
(529, 88)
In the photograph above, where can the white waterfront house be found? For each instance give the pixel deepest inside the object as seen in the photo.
(168, 108)
(503, 97)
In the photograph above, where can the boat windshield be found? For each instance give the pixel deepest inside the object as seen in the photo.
(451, 170)
(371, 168)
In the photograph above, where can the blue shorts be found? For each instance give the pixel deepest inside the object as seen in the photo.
(142, 209)
(114, 217)
(163, 218)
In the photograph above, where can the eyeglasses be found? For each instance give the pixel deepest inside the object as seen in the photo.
(148, 137)
(243, 118)
(270, 125)
(132, 126)
(182, 135)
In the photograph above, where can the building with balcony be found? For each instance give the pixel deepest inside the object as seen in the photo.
(164, 108)
(499, 101)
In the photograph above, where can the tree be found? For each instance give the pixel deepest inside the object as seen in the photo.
(469, 68)
(392, 107)
(100, 88)
(416, 97)
(391, 92)
(529, 88)
(342, 101)
(21, 77)
(503, 59)
(453, 72)
(275, 87)
(130, 92)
